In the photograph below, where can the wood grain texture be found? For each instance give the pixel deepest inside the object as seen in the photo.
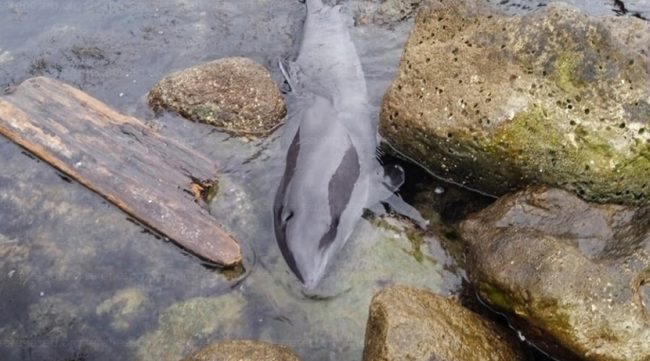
(152, 178)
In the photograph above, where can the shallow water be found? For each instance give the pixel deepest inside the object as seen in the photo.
(81, 281)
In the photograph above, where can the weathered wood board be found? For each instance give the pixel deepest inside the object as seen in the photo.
(152, 178)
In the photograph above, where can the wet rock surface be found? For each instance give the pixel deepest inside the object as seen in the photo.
(411, 324)
(553, 97)
(123, 307)
(566, 270)
(243, 351)
(234, 94)
(386, 12)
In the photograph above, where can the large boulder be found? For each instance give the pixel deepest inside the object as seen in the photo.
(411, 324)
(233, 94)
(553, 97)
(243, 351)
(566, 271)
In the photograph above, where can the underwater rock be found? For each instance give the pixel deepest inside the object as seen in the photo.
(385, 12)
(566, 271)
(243, 351)
(236, 95)
(184, 326)
(411, 324)
(123, 307)
(54, 331)
(553, 97)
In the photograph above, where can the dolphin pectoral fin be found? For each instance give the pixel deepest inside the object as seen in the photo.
(382, 191)
(398, 205)
(384, 181)
(393, 177)
(378, 209)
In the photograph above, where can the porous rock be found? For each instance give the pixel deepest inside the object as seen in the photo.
(234, 94)
(497, 102)
(243, 351)
(566, 271)
(411, 324)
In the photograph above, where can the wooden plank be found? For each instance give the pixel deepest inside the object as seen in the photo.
(154, 179)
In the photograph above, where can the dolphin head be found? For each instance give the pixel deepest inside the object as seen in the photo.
(314, 210)
(297, 230)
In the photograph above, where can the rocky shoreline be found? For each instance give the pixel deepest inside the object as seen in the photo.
(546, 111)
(551, 112)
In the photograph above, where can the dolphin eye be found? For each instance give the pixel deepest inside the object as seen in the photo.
(287, 216)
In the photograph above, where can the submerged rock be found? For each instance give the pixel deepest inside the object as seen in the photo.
(566, 270)
(553, 97)
(385, 12)
(410, 324)
(243, 351)
(184, 326)
(123, 307)
(233, 94)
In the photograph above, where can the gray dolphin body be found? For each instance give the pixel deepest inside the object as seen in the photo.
(331, 171)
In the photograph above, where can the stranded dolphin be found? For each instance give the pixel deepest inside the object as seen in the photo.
(331, 171)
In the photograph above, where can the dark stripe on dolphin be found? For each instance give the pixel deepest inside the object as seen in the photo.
(340, 190)
(279, 222)
(292, 161)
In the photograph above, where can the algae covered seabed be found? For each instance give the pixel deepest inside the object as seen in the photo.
(79, 280)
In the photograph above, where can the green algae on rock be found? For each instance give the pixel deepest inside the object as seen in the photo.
(566, 272)
(243, 351)
(123, 307)
(236, 95)
(497, 102)
(184, 325)
(411, 324)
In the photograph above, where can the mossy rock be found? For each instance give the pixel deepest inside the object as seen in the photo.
(498, 102)
(410, 324)
(236, 95)
(571, 275)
